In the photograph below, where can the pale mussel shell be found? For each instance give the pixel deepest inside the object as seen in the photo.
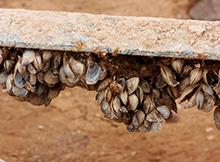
(93, 73)
(132, 84)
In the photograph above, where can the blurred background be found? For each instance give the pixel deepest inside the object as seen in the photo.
(72, 128)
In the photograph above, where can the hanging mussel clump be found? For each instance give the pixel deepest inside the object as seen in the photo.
(141, 92)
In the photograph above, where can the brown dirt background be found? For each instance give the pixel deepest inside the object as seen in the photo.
(72, 127)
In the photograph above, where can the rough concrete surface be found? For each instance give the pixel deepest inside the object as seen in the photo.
(111, 34)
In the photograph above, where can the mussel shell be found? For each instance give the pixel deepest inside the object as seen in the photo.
(153, 116)
(19, 80)
(3, 77)
(32, 79)
(132, 84)
(207, 89)
(204, 76)
(156, 126)
(186, 70)
(56, 60)
(103, 72)
(40, 77)
(77, 67)
(186, 92)
(200, 99)
(31, 69)
(135, 123)
(38, 63)
(116, 87)
(108, 94)
(8, 65)
(133, 102)
(123, 109)
(71, 77)
(140, 116)
(93, 73)
(122, 82)
(116, 105)
(100, 96)
(160, 82)
(168, 75)
(173, 92)
(145, 86)
(124, 97)
(105, 108)
(28, 57)
(20, 92)
(9, 83)
(46, 56)
(50, 78)
(195, 76)
(156, 93)
(30, 87)
(209, 103)
(190, 103)
(46, 66)
(184, 84)
(164, 111)
(104, 84)
(148, 104)
(4, 52)
(177, 65)
(126, 118)
(140, 94)
(63, 76)
(145, 127)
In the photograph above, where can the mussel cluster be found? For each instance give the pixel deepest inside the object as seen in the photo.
(141, 92)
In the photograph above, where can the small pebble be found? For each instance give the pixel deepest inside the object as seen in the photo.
(210, 137)
(40, 127)
(2, 160)
(209, 129)
(133, 153)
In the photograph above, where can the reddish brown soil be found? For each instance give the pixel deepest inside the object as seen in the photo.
(72, 127)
